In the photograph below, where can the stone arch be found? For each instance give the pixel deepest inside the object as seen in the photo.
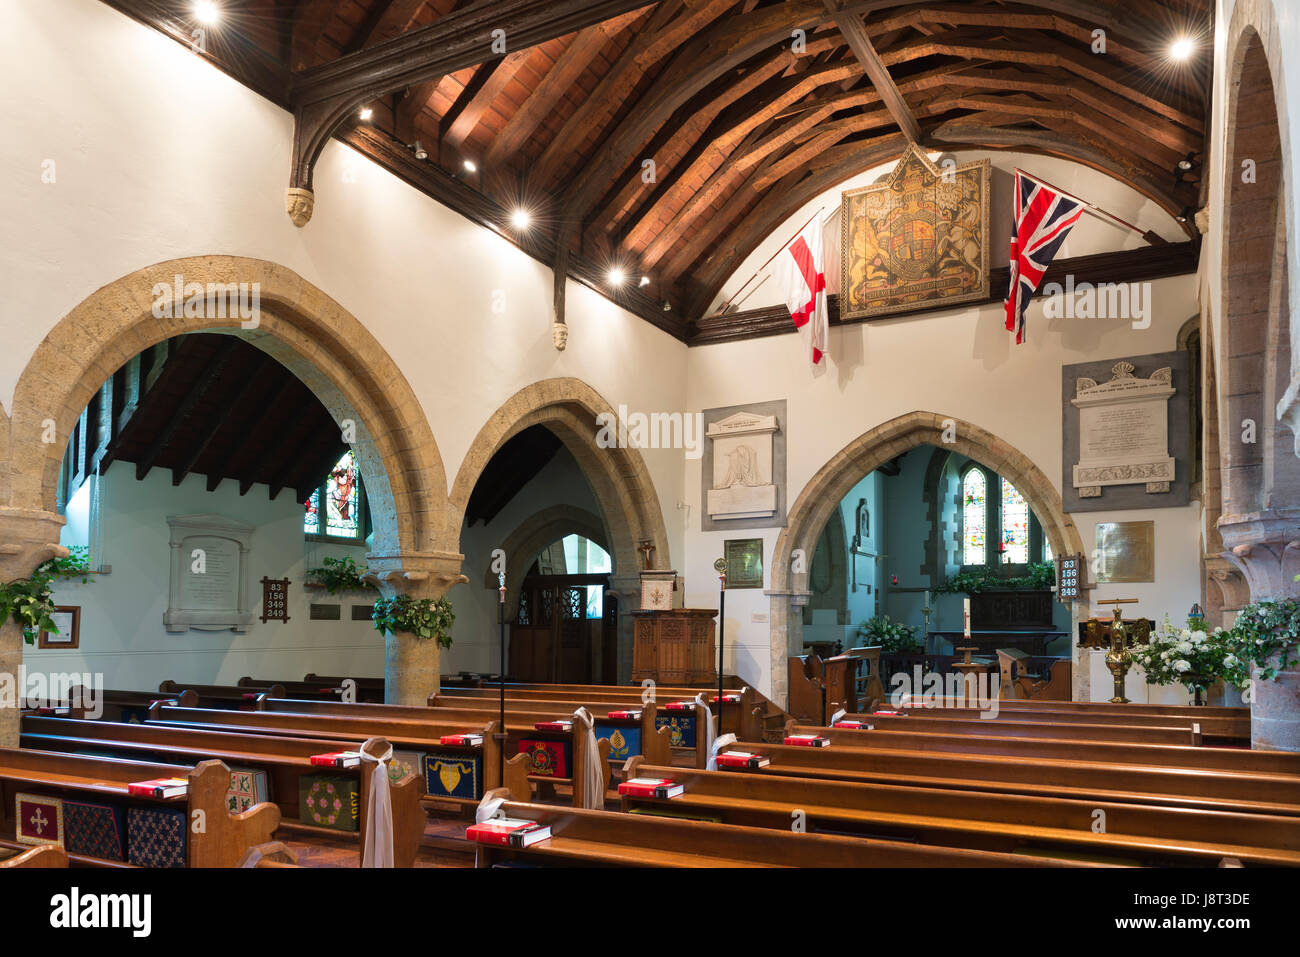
(535, 533)
(866, 453)
(618, 477)
(299, 325)
(1260, 480)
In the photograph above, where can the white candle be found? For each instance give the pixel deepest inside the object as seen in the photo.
(965, 614)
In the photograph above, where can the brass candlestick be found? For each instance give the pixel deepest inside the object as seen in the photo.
(1118, 658)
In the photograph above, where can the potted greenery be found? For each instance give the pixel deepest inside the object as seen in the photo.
(339, 574)
(1191, 657)
(891, 636)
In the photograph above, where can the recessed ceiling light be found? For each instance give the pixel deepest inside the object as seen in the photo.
(205, 11)
(616, 276)
(471, 166)
(367, 112)
(520, 219)
(1181, 48)
(420, 152)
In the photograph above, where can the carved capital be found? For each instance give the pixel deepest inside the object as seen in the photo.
(1262, 547)
(418, 574)
(299, 203)
(27, 538)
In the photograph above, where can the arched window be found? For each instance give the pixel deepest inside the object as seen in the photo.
(337, 510)
(994, 511)
(974, 517)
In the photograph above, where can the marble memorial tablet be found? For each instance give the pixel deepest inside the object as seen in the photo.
(209, 572)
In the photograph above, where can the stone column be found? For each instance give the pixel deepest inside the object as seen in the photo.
(786, 629)
(1265, 547)
(27, 538)
(412, 666)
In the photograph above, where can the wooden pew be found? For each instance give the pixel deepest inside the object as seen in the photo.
(940, 723)
(421, 731)
(600, 839)
(13, 854)
(655, 745)
(1029, 749)
(1221, 727)
(806, 677)
(222, 696)
(115, 705)
(285, 759)
(222, 843)
(309, 690)
(1146, 834)
(1258, 792)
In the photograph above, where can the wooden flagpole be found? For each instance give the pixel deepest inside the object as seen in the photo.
(770, 258)
(1152, 238)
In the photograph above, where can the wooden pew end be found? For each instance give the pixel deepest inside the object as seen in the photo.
(516, 786)
(272, 852)
(224, 836)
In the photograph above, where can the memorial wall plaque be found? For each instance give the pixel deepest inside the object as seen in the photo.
(209, 574)
(743, 474)
(1126, 551)
(1126, 437)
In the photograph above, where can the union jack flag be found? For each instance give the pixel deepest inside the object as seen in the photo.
(1043, 218)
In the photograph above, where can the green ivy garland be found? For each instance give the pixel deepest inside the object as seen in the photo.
(340, 574)
(424, 618)
(1041, 576)
(30, 601)
(1264, 629)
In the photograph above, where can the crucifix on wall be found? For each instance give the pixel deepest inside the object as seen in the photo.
(647, 549)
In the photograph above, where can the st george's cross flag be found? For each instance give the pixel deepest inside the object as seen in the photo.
(801, 270)
(1041, 220)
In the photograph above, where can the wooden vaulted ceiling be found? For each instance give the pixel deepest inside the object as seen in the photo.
(747, 109)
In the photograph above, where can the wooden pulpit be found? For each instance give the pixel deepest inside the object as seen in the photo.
(675, 646)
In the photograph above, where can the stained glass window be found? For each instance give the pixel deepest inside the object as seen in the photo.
(335, 509)
(974, 516)
(1015, 525)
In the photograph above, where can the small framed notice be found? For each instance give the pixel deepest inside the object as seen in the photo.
(275, 599)
(1071, 576)
(66, 618)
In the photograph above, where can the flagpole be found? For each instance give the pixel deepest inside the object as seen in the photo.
(1096, 210)
(820, 209)
(501, 680)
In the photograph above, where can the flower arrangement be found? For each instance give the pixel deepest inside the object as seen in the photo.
(424, 618)
(1191, 657)
(892, 636)
(1265, 636)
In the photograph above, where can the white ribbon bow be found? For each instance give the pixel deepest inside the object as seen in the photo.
(837, 715)
(710, 733)
(593, 771)
(488, 808)
(378, 851)
(723, 741)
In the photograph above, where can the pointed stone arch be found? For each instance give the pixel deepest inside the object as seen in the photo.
(618, 477)
(863, 455)
(535, 533)
(300, 326)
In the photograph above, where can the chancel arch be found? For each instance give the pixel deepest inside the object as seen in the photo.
(822, 495)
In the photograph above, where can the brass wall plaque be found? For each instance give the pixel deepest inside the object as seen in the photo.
(744, 562)
(1126, 551)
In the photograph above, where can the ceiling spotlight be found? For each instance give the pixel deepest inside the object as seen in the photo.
(1186, 162)
(470, 166)
(420, 152)
(520, 219)
(645, 281)
(366, 113)
(1181, 48)
(1185, 215)
(668, 306)
(616, 276)
(205, 11)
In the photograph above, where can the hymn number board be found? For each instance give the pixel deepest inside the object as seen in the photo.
(275, 599)
(1069, 576)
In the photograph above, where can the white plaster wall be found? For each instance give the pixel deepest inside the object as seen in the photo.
(158, 155)
(122, 633)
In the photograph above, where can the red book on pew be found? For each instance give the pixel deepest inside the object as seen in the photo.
(337, 759)
(856, 725)
(159, 788)
(467, 739)
(728, 698)
(630, 715)
(808, 740)
(680, 706)
(508, 832)
(564, 724)
(651, 788)
(742, 759)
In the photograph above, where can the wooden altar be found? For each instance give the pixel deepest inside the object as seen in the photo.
(675, 646)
